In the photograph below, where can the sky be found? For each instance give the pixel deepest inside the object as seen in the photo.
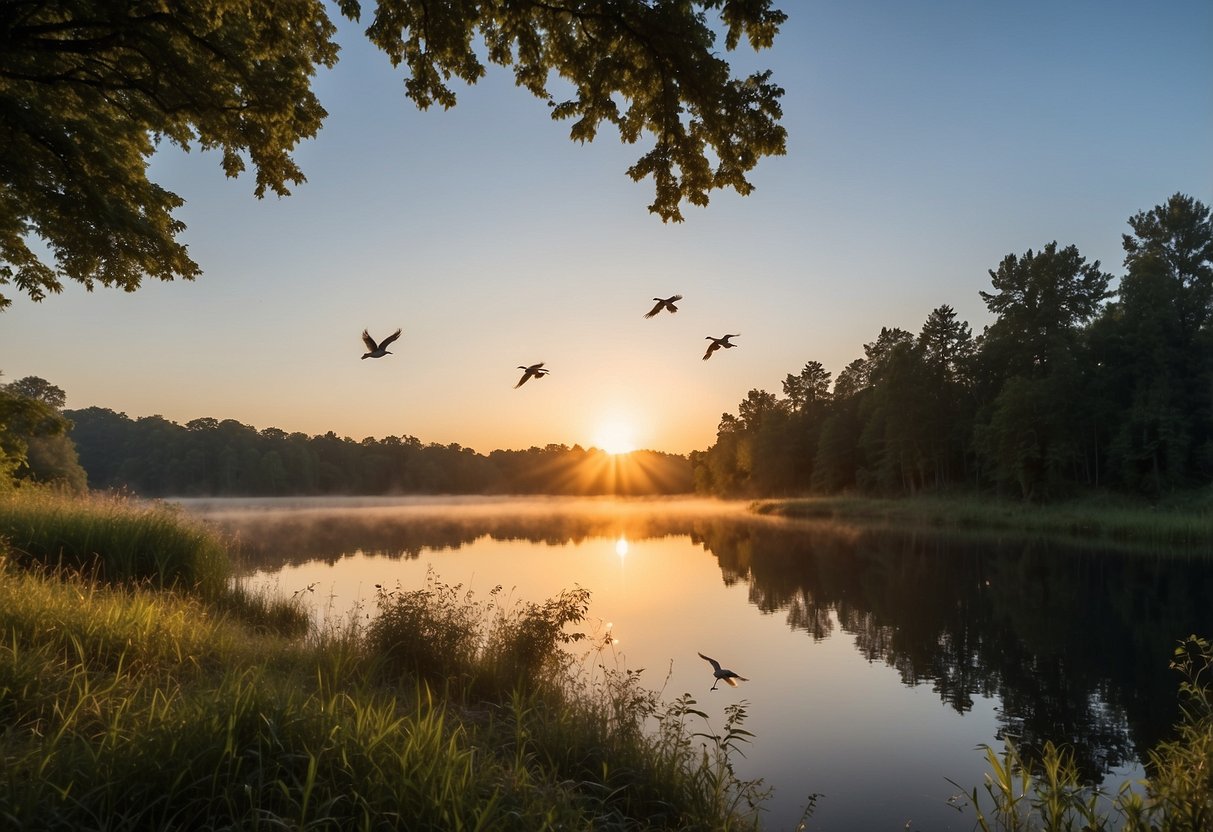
(926, 142)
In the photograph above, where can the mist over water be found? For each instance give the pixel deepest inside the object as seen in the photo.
(879, 659)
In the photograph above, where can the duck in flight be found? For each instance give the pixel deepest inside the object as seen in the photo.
(535, 370)
(664, 303)
(378, 350)
(722, 674)
(717, 343)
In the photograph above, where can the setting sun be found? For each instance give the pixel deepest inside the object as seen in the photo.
(615, 438)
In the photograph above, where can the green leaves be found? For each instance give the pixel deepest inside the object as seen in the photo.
(86, 92)
(88, 89)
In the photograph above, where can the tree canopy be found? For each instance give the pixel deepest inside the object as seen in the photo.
(1063, 391)
(89, 89)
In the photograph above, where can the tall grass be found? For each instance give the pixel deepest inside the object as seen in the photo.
(127, 706)
(1048, 795)
(115, 538)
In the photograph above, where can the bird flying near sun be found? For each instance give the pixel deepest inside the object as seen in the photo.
(664, 303)
(535, 370)
(378, 350)
(717, 343)
(722, 674)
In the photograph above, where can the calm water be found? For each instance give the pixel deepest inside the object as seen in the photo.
(878, 661)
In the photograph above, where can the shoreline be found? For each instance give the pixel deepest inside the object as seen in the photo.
(1185, 522)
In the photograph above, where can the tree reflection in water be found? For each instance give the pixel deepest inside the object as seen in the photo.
(1072, 641)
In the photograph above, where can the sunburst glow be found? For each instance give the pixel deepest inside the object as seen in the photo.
(615, 438)
(621, 546)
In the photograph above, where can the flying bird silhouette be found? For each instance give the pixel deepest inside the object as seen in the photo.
(717, 343)
(378, 350)
(535, 370)
(722, 674)
(664, 303)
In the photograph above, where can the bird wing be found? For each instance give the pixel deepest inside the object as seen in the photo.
(715, 664)
(673, 300)
(390, 338)
(732, 682)
(369, 341)
(535, 367)
(712, 347)
(656, 308)
(522, 380)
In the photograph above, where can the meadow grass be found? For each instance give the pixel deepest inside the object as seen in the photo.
(151, 703)
(114, 538)
(1183, 521)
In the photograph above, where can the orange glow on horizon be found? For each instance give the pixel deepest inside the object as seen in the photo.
(615, 437)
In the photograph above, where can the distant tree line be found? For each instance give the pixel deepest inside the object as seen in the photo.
(153, 456)
(1074, 385)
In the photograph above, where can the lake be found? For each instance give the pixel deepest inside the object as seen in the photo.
(878, 660)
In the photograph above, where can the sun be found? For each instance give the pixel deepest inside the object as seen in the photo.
(615, 438)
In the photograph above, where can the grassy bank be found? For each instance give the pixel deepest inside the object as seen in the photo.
(1186, 521)
(156, 702)
(150, 701)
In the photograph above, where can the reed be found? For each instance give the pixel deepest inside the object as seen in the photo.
(1048, 794)
(114, 538)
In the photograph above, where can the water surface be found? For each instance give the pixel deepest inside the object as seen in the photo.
(878, 660)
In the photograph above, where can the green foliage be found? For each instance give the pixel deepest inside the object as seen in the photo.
(34, 445)
(1050, 795)
(484, 647)
(1062, 392)
(117, 539)
(128, 707)
(88, 91)
(155, 457)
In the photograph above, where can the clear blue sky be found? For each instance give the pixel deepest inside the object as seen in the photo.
(926, 141)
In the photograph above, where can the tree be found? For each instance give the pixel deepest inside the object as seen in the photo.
(812, 385)
(34, 444)
(1041, 300)
(40, 390)
(88, 90)
(1162, 359)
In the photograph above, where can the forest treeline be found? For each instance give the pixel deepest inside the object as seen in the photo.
(153, 456)
(1073, 385)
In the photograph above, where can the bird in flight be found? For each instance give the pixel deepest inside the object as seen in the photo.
(664, 303)
(378, 350)
(722, 674)
(717, 343)
(535, 370)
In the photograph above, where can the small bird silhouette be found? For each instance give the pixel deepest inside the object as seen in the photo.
(664, 303)
(721, 674)
(378, 350)
(535, 370)
(717, 343)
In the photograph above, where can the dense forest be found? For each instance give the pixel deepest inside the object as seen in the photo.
(1073, 386)
(155, 457)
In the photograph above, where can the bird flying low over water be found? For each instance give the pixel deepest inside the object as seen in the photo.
(717, 343)
(722, 674)
(535, 370)
(378, 350)
(664, 303)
